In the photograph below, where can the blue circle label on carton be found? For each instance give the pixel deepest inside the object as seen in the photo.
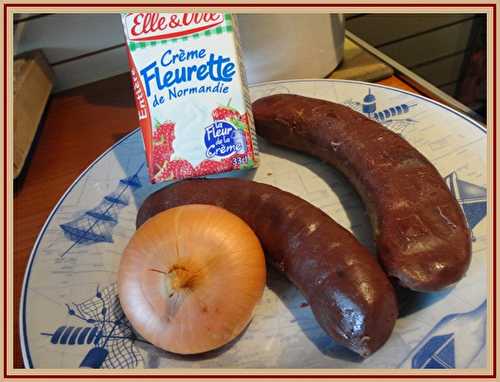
(222, 139)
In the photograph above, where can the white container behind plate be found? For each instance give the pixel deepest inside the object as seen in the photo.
(277, 47)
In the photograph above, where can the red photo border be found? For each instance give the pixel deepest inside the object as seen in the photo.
(491, 131)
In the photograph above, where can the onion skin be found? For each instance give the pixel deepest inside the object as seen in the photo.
(349, 294)
(190, 277)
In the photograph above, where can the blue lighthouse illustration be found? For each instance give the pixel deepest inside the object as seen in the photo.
(389, 117)
(369, 104)
(104, 329)
(96, 225)
(472, 198)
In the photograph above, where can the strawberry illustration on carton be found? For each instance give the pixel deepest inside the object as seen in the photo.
(191, 95)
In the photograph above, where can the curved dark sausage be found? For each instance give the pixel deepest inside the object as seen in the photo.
(420, 230)
(349, 294)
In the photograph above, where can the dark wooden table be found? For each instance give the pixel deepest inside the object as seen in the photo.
(77, 127)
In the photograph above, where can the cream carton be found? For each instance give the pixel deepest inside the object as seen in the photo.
(191, 94)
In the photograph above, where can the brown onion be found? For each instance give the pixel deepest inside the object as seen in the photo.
(190, 277)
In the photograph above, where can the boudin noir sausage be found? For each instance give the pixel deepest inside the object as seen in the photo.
(349, 294)
(421, 234)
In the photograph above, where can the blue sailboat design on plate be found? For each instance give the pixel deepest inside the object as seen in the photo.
(472, 198)
(104, 328)
(96, 225)
(454, 342)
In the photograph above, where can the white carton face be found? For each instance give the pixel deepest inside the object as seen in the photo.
(183, 77)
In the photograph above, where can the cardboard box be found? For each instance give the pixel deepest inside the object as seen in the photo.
(33, 82)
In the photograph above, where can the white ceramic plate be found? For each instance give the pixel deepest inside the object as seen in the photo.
(70, 316)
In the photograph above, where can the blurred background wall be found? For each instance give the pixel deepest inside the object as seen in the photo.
(448, 50)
